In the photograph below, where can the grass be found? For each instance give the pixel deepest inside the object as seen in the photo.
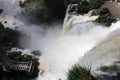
(79, 73)
(111, 68)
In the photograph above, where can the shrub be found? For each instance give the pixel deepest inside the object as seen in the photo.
(111, 68)
(17, 56)
(105, 17)
(104, 11)
(79, 73)
(27, 58)
(95, 4)
(83, 7)
(38, 12)
(13, 55)
(8, 38)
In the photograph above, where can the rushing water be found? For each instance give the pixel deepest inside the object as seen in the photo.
(60, 49)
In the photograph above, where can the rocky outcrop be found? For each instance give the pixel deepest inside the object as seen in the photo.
(109, 77)
(1, 10)
(8, 38)
(40, 11)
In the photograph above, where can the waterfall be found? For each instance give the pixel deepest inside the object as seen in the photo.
(60, 49)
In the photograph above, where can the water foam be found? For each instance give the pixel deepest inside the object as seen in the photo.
(59, 53)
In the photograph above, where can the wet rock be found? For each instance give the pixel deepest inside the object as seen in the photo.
(1, 10)
(5, 22)
(21, 4)
(36, 53)
(109, 77)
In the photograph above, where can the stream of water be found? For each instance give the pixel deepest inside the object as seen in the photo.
(60, 49)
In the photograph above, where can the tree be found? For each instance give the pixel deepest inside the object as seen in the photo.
(8, 38)
(83, 7)
(105, 17)
(104, 11)
(95, 4)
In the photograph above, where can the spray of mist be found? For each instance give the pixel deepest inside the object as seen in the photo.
(59, 52)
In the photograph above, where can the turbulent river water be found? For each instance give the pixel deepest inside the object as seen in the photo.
(60, 48)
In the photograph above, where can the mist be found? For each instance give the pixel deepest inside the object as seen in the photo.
(59, 52)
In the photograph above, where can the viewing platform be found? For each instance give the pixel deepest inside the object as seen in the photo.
(27, 67)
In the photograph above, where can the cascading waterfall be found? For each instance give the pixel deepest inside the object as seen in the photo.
(60, 51)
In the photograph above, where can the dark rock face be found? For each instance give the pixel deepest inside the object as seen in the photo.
(57, 6)
(8, 38)
(40, 11)
(36, 53)
(21, 4)
(109, 77)
(1, 10)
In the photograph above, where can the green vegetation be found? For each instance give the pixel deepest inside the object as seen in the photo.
(17, 56)
(95, 4)
(105, 17)
(111, 68)
(52, 10)
(38, 11)
(8, 38)
(13, 55)
(79, 73)
(85, 6)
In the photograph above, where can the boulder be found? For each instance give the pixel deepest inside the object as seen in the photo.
(1, 10)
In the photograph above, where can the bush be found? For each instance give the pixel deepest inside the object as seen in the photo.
(8, 38)
(79, 73)
(83, 7)
(105, 17)
(17, 56)
(112, 68)
(38, 12)
(104, 11)
(95, 4)
(27, 58)
(13, 55)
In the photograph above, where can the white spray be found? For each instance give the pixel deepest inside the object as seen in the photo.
(60, 53)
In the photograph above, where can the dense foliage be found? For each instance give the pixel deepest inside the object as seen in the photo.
(17, 56)
(105, 17)
(85, 6)
(95, 4)
(8, 38)
(79, 73)
(40, 11)
(111, 68)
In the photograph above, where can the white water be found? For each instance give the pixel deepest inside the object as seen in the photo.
(59, 53)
